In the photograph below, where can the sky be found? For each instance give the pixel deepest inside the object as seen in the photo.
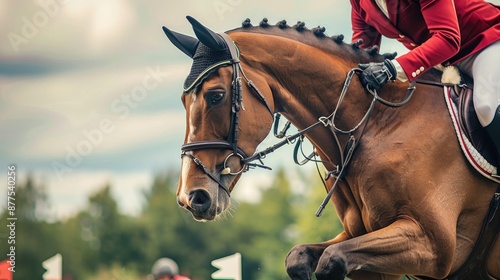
(90, 90)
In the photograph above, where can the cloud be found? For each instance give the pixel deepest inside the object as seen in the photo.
(71, 194)
(105, 22)
(3, 8)
(59, 113)
(117, 135)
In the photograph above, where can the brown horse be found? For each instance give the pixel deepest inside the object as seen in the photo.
(409, 202)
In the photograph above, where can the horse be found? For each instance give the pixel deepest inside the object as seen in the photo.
(409, 202)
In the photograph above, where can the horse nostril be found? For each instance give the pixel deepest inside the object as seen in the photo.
(179, 202)
(200, 200)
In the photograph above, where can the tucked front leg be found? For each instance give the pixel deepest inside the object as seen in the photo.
(302, 259)
(399, 249)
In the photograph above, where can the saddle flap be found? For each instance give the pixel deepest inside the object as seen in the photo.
(469, 123)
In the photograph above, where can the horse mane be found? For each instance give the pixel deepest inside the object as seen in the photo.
(315, 37)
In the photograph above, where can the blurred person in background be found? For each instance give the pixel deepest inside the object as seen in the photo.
(166, 269)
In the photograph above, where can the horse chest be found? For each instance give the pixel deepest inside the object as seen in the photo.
(365, 208)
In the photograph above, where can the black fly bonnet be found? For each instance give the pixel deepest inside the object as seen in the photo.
(205, 61)
(209, 53)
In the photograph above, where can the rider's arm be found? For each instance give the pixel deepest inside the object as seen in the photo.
(441, 20)
(361, 30)
(401, 72)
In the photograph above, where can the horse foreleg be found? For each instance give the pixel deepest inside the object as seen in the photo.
(302, 259)
(399, 249)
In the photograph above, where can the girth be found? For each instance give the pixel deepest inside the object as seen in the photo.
(475, 266)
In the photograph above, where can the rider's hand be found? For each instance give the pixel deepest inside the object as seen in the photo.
(377, 74)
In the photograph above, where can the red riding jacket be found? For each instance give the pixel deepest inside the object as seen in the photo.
(436, 31)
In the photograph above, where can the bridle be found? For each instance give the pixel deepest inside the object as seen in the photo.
(248, 161)
(236, 105)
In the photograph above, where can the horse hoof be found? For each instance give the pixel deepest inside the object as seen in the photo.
(331, 268)
(300, 276)
(299, 263)
(298, 271)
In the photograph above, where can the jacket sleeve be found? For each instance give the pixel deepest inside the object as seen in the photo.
(361, 30)
(441, 19)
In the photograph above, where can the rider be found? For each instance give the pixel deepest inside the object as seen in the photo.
(166, 269)
(465, 33)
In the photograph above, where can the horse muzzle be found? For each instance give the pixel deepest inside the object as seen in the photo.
(203, 205)
(201, 195)
(203, 191)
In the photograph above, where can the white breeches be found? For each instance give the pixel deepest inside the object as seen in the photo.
(486, 75)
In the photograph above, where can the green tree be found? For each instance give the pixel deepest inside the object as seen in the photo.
(268, 221)
(326, 226)
(115, 239)
(78, 257)
(34, 238)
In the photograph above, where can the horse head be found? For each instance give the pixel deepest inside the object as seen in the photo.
(214, 98)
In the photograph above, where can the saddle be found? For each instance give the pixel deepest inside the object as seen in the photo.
(469, 125)
(476, 144)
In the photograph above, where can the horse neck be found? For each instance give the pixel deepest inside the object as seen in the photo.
(305, 82)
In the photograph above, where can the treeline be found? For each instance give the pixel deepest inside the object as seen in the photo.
(101, 243)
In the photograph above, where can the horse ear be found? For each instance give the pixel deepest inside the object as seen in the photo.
(207, 36)
(183, 42)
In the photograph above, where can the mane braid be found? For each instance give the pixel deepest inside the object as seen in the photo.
(373, 50)
(282, 24)
(246, 23)
(319, 31)
(301, 33)
(264, 23)
(339, 39)
(300, 26)
(356, 44)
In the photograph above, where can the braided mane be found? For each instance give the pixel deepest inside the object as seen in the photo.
(315, 37)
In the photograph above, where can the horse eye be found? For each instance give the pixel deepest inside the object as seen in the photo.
(215, 97)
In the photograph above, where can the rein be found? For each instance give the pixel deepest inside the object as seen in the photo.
(329, 121)
(248, 161)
